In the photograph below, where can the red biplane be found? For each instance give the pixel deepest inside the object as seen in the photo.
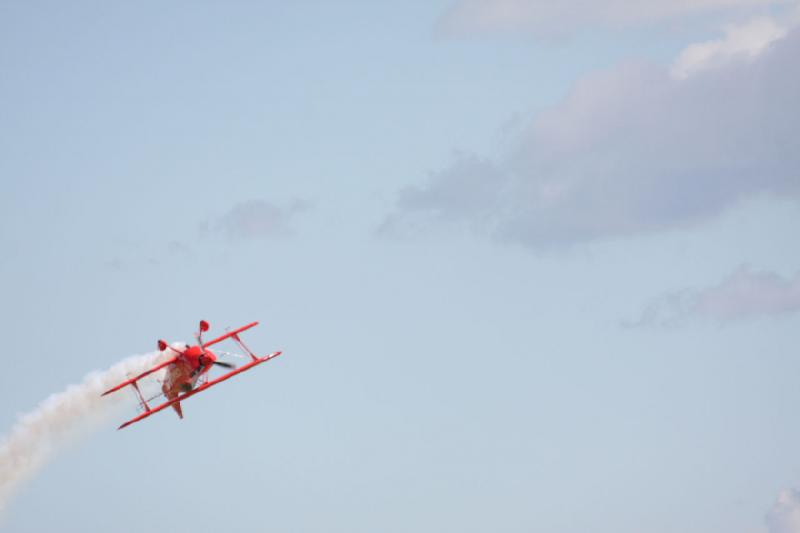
(188, 367)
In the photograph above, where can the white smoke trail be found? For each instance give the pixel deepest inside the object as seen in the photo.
(37, 435)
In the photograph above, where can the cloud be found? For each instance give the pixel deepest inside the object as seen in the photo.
(255, 219)
(543, 17)
(135, 256)
(740, 41)
(468, 188)
(784, 517)
(630, 150)
(743, 294)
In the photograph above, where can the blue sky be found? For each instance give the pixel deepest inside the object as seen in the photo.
(533, 268)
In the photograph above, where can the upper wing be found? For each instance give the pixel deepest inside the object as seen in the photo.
(204, 386)
(140, 376)
(229, 334)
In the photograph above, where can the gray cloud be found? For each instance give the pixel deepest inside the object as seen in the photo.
(784, 517)
(468, 189)
(633, 149)
(542, 17)
(135, 256)
(743, 294)
(255, 219)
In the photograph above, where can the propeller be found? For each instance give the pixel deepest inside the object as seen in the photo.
(224, 364)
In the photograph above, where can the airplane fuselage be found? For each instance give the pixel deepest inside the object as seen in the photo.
(182, 375)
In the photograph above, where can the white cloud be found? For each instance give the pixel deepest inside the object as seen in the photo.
(784, 517)
(743, 294)
(745, 41)
(630, 150)
(547, 17)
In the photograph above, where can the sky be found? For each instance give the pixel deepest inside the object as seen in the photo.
(533, 266)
